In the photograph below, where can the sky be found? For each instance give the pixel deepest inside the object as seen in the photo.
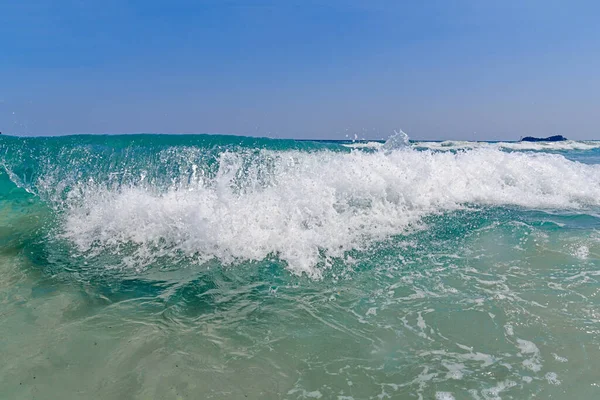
(437, 69)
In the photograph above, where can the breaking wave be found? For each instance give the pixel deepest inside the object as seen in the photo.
(237, 202)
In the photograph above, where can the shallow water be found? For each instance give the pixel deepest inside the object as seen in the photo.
(384, 280)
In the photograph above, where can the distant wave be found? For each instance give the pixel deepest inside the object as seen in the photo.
(536, 146)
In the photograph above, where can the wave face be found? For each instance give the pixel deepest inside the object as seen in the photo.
(243, 199)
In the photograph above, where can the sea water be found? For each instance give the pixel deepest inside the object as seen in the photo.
(222, 267)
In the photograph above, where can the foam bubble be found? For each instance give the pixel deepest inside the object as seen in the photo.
(444, 396)
(493, 393)
(534, 361)
(559, 358)
(527, 347)
(552, 378)
(315, 394)
(455, 370)
(581, 252)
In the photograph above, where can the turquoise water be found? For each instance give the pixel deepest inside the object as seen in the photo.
(199, 267)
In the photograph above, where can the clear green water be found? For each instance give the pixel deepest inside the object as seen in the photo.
(155, 267)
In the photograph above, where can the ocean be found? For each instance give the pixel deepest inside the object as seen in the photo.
(227, 267)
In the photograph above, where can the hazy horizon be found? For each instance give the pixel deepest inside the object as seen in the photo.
(345, 138)
(312, 70)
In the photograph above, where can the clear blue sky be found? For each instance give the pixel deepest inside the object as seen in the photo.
(458, 69)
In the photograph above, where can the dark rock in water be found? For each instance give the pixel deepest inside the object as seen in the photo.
(555, 138)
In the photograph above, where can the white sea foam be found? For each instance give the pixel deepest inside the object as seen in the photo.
(559, 358)
(534, 362)
(493, 393)
(444, 396)
(582, 252)
(364, 145)
(303, 206)
(535, 146)
(552, 378)
(455, 370)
